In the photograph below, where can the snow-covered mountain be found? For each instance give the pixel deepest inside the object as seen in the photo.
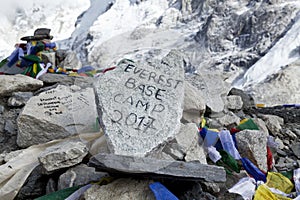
(248, 41)
(21, 18)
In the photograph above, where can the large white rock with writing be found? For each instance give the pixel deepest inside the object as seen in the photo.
(57, 113)
(141, 104)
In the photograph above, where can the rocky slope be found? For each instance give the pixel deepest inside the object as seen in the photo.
(59, 126)
(53, 129)
(247, 41)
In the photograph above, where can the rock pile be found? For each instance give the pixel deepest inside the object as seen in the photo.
(133, 126)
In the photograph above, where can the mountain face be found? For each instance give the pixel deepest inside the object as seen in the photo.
(247, 41)
(250, 42)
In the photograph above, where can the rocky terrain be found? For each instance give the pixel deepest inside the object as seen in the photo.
(51, 137)
(204, 95)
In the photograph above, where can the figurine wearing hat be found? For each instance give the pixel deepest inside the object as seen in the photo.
(26, 58)
(39, 34)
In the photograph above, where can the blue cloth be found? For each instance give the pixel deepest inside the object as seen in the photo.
(85, 69)
(50, 45)
(211, 138)
(161, 192)
(203, 132)
(15, 56)
(253, 170)
(234, 140)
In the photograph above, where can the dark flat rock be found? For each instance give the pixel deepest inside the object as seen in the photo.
(154, 168)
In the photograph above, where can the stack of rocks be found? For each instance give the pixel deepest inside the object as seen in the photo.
(138, 124)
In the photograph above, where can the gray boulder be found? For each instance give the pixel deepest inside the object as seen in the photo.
(62, 155)
(158, 168)
(252, 144)
(71, 61)
(18, 83)
(61, 79)
(296, 149)
(188, 139)
(1, 109)
(229, 119)
(125, 189)
(194, 104)
(10, 127)
(141, 104)
(19, 99)
(234, 102)
(57, 113)
(248, 101)
(48, 57)
(79, 175)
(261, 125)
(273, 123)
(212, 88)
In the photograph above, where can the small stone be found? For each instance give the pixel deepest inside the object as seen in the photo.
(19, 99)
(62, 155)
(280, 143)
(261, 124)
(196, 192)
(290, 165)
(230, 119)
(194, 104)
(188, 139)
(125, 189)
(51, 186)
(71, 61)
(296, 149)
(79, 175)
(286, 142)
(297, 132)
(234, 102)
(10, 127)
(2, 156)
(48, 57)
(175, 151)
(289, 159)
(287, 148)
(281, 153)
(211, 187)
(273, 123)
(1, 109)
(290, 134)
(248, 101)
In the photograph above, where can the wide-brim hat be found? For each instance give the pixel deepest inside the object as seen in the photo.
(39, 34)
